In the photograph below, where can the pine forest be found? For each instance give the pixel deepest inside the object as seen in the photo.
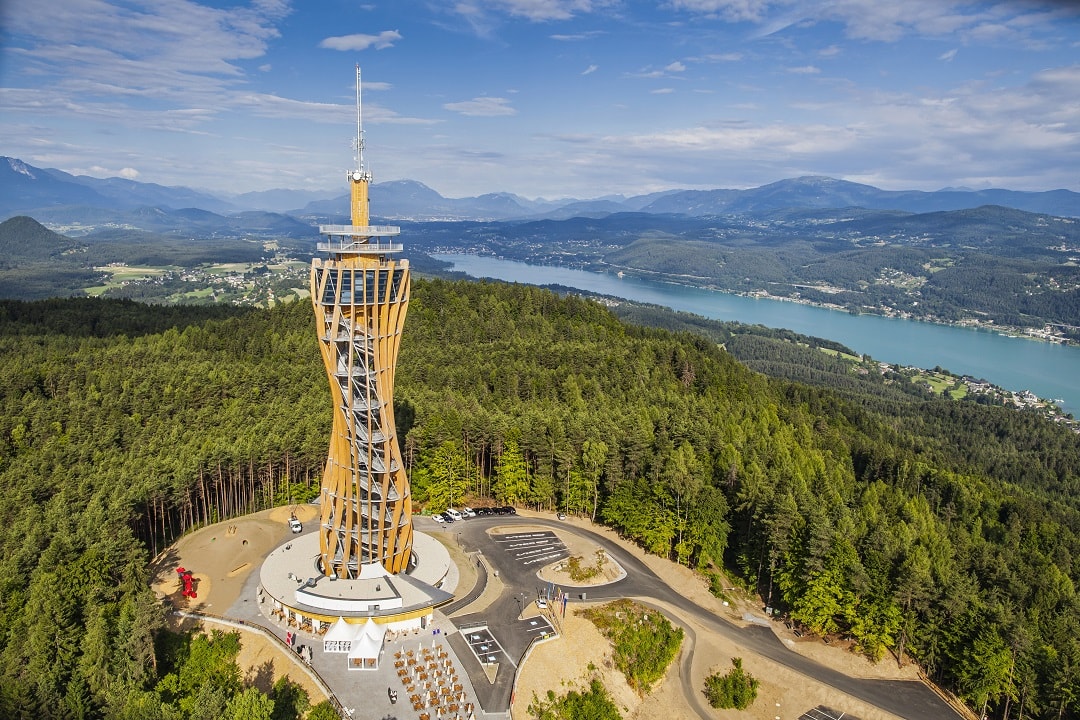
(926, 530)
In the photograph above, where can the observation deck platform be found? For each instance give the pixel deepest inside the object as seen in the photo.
(359, 239)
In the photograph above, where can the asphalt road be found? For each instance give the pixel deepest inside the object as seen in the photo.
(903, 698)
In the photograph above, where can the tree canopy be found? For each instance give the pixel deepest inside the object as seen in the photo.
(919, 527)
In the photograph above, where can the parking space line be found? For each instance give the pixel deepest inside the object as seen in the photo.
(531, 544)
(538, 624)
(485, 647)
(821, 712)
(543, 558)
(544, 549)
(526, 549)
(521, 537)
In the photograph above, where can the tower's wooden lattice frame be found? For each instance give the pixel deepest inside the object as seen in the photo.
(360, 305)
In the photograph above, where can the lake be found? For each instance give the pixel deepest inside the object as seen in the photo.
(1048, 370)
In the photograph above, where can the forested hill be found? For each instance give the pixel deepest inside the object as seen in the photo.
(112, 442)
(23, 238)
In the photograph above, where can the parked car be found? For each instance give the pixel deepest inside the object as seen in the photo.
(295, 525)
(439, 519)
(561, 516)
(480, 512)
(510, 510)
(452, 514)
(468, 512)
(541, 603)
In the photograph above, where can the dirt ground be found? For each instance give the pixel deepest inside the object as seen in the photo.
(563, 663)
(221, 557)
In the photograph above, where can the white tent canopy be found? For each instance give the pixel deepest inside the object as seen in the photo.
(366, 646)
(339, 638)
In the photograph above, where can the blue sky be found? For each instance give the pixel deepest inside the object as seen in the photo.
(551, 98)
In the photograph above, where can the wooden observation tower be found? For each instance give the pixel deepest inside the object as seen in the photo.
(361, 294)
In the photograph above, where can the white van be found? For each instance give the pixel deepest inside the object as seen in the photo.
(453, 514)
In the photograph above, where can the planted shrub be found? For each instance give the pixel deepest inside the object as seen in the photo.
(737, 689)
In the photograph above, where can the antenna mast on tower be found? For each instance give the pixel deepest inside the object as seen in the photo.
(361, 173)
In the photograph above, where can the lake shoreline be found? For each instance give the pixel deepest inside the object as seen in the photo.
(1044, 368)
(680, 280)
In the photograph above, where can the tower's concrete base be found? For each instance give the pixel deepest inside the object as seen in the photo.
(300, 594)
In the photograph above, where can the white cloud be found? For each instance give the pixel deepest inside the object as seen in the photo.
(274, 106)
(948, 56)
(804, 70)
(732, 10)
(771, 140)
(889, 21)
(46, 102)
(360, 41)
(267, 105)
(587, 35)
(973, 134)
(111, 58)
(590, 70)
(1068, 77)
(1008, 21)
(534, 10)
(128, 173)
(667, 72)
(662, 91)
(182, 35)
(482, 107)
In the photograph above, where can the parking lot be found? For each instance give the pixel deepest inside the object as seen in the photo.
(487, 649)
(537, 627)
(484, 645)
(532, 548)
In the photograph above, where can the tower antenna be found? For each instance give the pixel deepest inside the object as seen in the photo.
(359, 132)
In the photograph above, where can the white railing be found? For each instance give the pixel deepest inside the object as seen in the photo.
(363, 248)
(360, 230)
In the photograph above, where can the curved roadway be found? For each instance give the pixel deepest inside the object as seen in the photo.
(903, 698)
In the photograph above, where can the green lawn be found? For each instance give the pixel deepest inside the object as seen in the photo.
(837, 353)
(940, 384)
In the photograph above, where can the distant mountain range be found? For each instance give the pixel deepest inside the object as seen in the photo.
(80, 204)
(997, 258)
(25, 187)
(815, 192)
(408, 199)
